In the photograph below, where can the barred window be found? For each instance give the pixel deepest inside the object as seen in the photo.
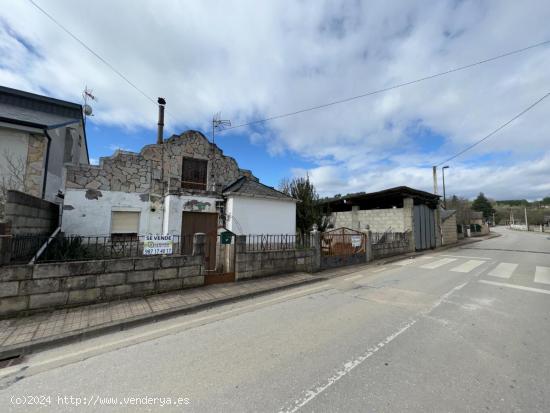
(194, 173)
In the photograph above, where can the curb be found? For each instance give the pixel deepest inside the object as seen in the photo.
(114, 326)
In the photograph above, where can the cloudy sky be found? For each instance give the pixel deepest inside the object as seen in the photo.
(250, 60)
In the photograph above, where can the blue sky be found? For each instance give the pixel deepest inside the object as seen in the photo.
(250, 60)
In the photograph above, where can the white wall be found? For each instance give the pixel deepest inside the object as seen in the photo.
(260, 216)
(175, 205)
(92, 217)
(15, 145)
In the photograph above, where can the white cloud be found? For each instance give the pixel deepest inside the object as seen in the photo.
(252, 59)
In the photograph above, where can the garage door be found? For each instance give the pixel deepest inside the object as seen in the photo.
(424, 227)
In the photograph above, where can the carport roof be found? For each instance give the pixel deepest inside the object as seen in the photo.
(383, 199)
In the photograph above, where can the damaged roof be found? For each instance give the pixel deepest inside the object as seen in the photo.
(244, 186)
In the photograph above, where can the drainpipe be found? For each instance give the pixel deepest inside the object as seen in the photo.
(45, 179)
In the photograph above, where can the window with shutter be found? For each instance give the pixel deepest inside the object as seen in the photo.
(124, 224)
(194, 173)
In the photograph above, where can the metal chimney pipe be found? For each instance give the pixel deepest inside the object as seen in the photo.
(160, 134)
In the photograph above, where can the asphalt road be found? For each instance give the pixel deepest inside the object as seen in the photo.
(461, 330)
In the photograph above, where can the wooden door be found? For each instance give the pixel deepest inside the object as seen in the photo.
(207, 223)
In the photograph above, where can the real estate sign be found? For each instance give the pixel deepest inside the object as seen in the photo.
(356, 240)
(157, 244)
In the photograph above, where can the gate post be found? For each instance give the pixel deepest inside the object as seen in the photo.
(316, 245)
(369, 246)
(5, 243)
(240, 256)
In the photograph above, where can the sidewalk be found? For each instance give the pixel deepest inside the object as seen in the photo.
(24, 335)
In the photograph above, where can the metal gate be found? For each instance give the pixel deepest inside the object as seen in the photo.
(424, 227)
(343, 246)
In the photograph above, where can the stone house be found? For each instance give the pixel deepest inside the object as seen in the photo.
(182, 185)
(39, 137)
(400, 209)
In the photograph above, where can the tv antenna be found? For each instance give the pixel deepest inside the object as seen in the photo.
(87, 95)
(218, 124)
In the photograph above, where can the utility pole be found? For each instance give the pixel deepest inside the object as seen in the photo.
(526, 223)
(444, 195)
(434, 170)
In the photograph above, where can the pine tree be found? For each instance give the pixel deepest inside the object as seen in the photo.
(482, 204)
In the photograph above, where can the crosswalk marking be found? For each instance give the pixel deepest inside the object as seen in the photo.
(438, 263)
(542, 275)
(503, 270)
(468, 266)
(407, 261)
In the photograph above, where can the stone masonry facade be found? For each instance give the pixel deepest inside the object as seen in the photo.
(157, 169)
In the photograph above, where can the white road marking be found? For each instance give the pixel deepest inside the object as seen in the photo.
(517, 287)
(355, 277)
(438, 263)
(154, 333)
(468, 266)
(542, 275)
(407, 261)
(503, 270)
(464, 256)
(348, 366)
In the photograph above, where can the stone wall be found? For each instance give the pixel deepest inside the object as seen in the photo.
(448, 230)
(29, 215)
(254, 264)
(33, 288)
(143, 173)
(34, 166)
(388, 249)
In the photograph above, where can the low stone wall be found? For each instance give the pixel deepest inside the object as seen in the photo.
(387, 249)
(255, 264)
(33, 288)
(29, 215)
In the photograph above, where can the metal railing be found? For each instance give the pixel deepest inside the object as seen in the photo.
(278, 242)
(78, 248)
(389, 237)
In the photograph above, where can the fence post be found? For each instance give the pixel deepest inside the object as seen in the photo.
(368, 249)
(5, 243)
(199, 241)
(316, 244)
(240, 248)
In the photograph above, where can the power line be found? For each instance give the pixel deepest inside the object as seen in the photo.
(386, 89)
(524, 111)
(104, 61)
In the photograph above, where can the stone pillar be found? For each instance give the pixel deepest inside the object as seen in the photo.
(408, 221)
(316, 245)
(355, 217)
(438, 228)
(199, 241)
(368, 251)
(240, 257)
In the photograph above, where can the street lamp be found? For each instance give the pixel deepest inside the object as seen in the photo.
(444, 197)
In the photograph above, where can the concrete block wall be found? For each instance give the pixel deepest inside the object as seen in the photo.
(34, 288)
(448, 231)
(29, 215)
(378, 220)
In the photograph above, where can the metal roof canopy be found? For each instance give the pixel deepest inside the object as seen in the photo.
(387, 198)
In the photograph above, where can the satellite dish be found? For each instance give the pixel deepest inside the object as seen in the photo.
(88, 110)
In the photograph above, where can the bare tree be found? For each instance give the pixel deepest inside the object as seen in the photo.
(13, 177)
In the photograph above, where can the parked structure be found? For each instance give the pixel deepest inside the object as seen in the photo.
(39, 137)
(399, 209)
(183, 185)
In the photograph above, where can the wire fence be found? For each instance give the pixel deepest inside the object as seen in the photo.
(389, 237)
(78, 248)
